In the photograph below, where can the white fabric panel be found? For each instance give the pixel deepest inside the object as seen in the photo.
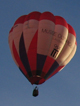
(70, 42)
(45, 34)
(10, 39)
(70, 56)
(29, 29)
(17, 31)
(58, 41)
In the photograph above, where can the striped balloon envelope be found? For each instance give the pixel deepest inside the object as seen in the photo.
(41, 45)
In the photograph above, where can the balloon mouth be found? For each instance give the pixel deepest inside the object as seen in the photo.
(37, 80)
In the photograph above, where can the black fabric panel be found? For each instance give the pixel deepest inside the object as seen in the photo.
(52, 69)
(24, 74)
(40, 63)
(23, 55)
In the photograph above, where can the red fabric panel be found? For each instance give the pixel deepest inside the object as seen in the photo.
(48, 16)
(32, 15)
(56, 71)
(20, 20)
(48, 63)
(41, 81)
(60, 21)
(71, 30)
(11, 30)
(32, 54)
(76, 43)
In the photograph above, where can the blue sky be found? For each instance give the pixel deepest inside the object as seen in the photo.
(63, 89)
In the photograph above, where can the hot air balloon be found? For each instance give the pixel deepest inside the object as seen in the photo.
(41, 45)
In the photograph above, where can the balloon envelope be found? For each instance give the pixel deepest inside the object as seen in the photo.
(41, 45)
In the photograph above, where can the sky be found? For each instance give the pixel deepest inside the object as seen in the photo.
(63, 89)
